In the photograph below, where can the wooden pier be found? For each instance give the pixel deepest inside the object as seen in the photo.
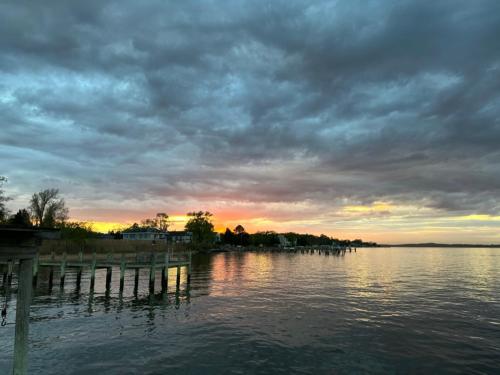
(82, 262)
(23, 252)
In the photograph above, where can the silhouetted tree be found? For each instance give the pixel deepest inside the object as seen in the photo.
(48, 209)
(242, 237)
(117, 235)
(229, 237)
(200, 224)
(268, 238)
(76, 231)
(239, 229)
(21, 219)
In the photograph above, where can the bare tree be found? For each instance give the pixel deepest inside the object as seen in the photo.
(160, 222)
(47, 208)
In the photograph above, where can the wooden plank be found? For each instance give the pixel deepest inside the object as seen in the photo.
(15, 253)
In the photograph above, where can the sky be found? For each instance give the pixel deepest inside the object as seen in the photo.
(357, 119)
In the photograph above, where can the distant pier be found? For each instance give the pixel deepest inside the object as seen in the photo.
(320, 249)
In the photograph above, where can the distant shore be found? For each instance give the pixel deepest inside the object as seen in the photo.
(432, 244)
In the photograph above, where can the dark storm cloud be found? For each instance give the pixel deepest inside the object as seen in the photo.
(280, 101)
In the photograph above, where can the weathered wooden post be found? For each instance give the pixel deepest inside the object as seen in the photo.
(136, 280)
(152, 269)
(189, 268)
(51, 271)
(178, 278)
(10, 267)
(109, 272)
(24, 295)
(63, 269)
(122, 272)
(36, 260)
(164, 273)
(92, 270)
(80, 268)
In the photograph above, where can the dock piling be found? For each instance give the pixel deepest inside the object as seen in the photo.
(189, 268)
(80, 269)
(35, 268)
(10, 267)
(136, 280)
(109, 271)
(22, 316)
(178, 279)
(63, 269)
(164, 273)
(122, 272)
(92, 270)
(51, 272)
(152, 269)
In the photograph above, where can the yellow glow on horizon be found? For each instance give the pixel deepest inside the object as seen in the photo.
(105, 227)
(478, 217)
(380, 221)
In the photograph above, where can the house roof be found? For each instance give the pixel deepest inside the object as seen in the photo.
(143, 230)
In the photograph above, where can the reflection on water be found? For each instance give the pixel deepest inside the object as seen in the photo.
(380, 310)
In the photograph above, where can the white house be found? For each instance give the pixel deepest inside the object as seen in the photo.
(285, 242)
(179, 236)
(144, 234)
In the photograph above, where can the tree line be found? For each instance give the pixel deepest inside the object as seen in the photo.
(239, 237)
(47, 209)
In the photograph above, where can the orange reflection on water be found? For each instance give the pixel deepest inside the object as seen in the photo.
(244, 271)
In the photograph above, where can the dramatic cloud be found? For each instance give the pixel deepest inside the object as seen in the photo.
(279, 114)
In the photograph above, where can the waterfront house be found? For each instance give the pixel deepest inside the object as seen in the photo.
(180, 236)
(145, 234)
(285, 242)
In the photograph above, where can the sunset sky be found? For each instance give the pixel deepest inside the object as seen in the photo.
(357, 119)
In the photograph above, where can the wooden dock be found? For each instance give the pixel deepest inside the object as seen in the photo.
(82, 262)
